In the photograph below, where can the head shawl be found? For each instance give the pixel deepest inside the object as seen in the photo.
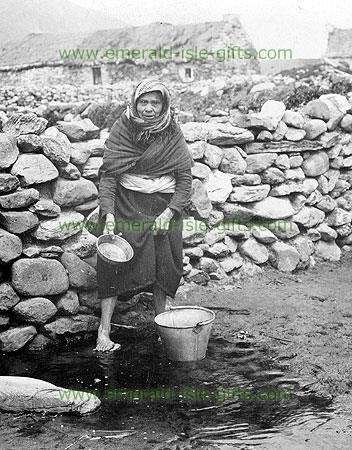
(160, 123)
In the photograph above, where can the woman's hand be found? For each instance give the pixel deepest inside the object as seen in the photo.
(109, 227)
(163, 221)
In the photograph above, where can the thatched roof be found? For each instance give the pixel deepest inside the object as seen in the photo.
(339, 43)
(42, 49)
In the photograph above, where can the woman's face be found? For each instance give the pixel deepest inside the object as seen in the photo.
(149, 105)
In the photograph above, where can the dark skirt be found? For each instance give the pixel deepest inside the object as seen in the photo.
(157, 258)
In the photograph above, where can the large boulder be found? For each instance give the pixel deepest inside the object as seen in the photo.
(35, 310)
(228, 135)
(81, 275)
(20, 394)
(255, 251)
(194, 131)
(80, 130)
(24, 124)
(218, 186)
(60, 228)
(39, 277)
(73, 192)
(18, 222)
(283, 256)
(19, 199)
(12, 340)
(232, 161)
(80, 323)
(57, 149)
(272, 208)
(200, 204)
(32, 168)
(213, 156)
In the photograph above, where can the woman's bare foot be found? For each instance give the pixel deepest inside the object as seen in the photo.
(104, 343)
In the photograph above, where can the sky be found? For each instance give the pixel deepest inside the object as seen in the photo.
(301, 25)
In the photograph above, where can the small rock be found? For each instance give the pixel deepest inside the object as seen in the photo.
(293, 119)
(284, 257)
(199, 170)
(68, 304)
(247, 194)
(8, 151)
(260, 162)
(294, 134)
(314, 128)
(232, 161)
(10, 247)
(213, 156)
(8, 297)
(309, 216)
(338, 217)
(327, 251)
(327, 233)
(257, 252)
(316, 164)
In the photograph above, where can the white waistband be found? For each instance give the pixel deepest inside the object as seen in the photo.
(143, 183)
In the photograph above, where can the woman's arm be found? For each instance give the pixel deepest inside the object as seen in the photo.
(107, 192)
(178, 201)
(183, 191)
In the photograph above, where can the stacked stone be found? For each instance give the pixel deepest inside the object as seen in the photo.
(273, 186)
(47, 188)
(17, 97)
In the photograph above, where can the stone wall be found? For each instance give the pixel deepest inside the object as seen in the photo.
(272, 187)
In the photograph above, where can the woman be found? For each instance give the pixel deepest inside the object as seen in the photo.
(145, 181)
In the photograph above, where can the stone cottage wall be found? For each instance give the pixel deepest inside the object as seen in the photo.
(272, 187)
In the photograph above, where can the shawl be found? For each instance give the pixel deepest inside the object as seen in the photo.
(165, 154)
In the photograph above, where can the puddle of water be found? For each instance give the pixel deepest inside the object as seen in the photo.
(223, 416)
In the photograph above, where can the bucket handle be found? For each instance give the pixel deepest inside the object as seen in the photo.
(197, 328)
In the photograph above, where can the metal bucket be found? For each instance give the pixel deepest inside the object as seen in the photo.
(185, 331)
(120, 249)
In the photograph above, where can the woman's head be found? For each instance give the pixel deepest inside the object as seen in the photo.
(149, 109)
(150, 105)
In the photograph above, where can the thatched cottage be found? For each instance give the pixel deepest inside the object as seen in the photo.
(45, 58)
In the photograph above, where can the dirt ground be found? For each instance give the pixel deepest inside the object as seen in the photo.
(305, 316)
(304, 319)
